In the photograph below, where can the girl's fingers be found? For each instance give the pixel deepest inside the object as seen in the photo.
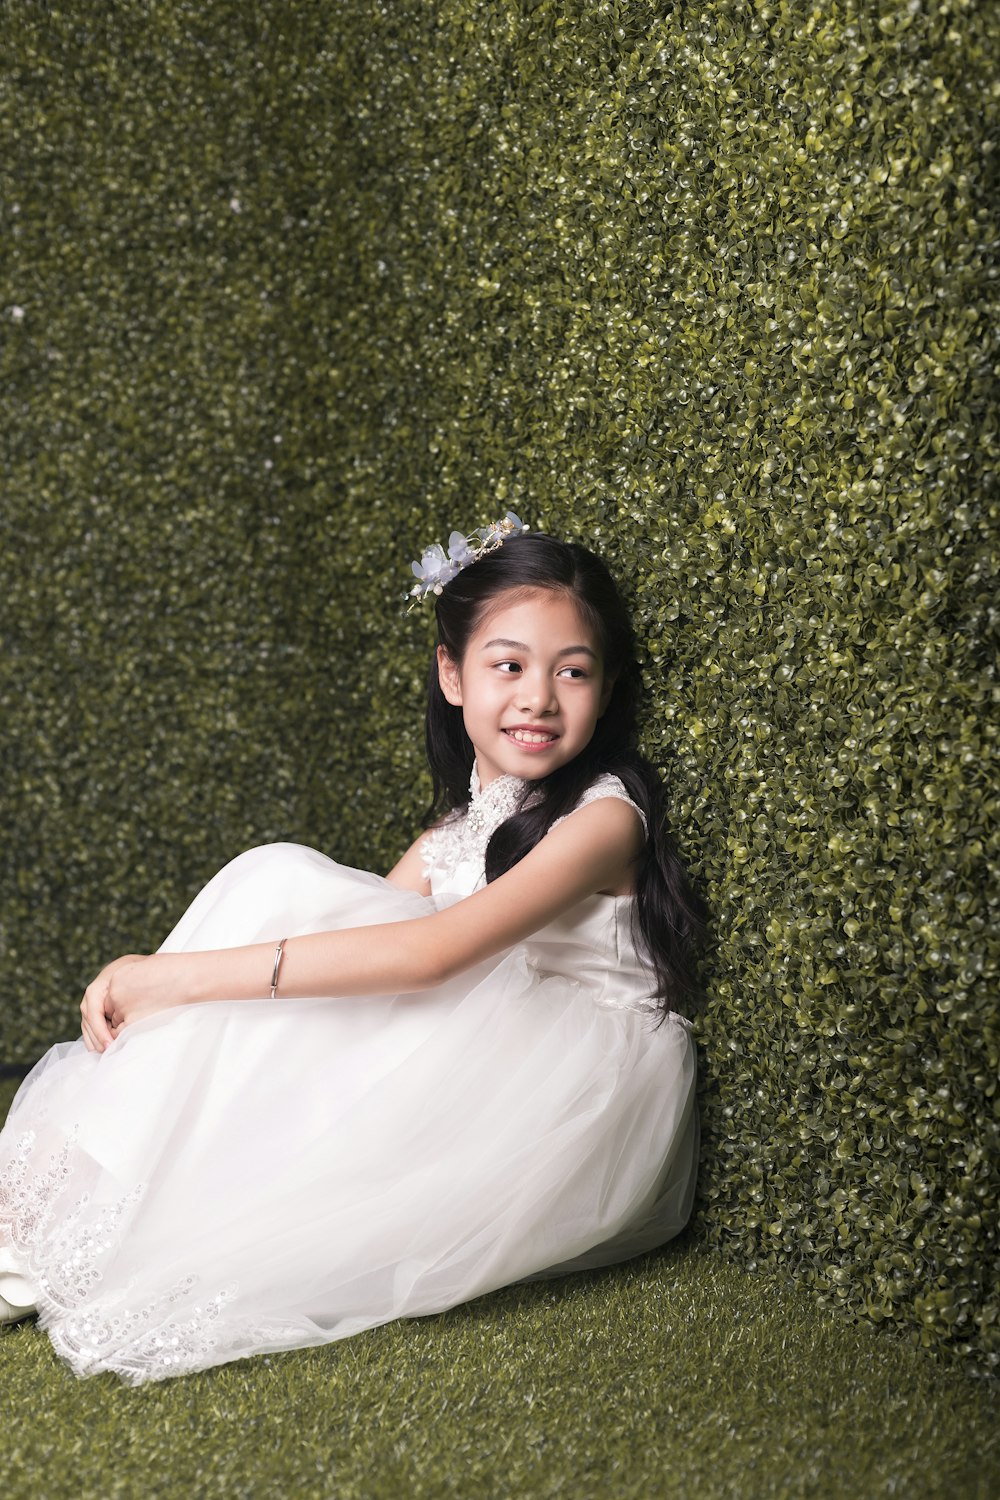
(95, 1020)
(91, 1038)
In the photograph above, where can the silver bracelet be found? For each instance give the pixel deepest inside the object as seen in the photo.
(277, 965)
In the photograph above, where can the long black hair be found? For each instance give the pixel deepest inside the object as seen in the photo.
(670, 916)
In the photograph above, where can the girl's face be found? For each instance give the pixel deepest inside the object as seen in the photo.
(531, 685)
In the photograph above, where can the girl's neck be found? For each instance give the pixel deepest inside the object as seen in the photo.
(478, 785)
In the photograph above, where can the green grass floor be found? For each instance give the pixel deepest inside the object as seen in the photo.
(678, 1375)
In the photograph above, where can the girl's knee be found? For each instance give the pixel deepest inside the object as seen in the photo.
(270, 860)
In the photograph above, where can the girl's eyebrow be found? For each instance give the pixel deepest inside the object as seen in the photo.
(520, 646)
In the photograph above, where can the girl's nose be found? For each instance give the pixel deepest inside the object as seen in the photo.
(536, 694)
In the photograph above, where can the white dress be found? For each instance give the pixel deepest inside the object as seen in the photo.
(239, 1177)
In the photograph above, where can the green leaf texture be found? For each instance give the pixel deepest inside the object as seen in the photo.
(291, 289)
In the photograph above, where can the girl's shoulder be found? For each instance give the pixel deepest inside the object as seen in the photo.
(604, 785)
(461, 836)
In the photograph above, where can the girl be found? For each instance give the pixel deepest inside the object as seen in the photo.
(333, 1099)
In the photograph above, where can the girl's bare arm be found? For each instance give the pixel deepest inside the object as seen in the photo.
(590, 852)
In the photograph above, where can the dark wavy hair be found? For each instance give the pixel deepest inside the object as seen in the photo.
(670, 916)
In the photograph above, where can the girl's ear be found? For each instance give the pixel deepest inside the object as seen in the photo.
(449, 678)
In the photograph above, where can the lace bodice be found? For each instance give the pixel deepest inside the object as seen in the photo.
(460, 842)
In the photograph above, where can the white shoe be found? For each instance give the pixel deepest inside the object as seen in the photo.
(17, 1293)
(14, 1312)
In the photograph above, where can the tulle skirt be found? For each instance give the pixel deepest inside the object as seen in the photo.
(232, 1178)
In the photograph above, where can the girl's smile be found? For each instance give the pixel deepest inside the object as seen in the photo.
(531, 685)
(530, 737)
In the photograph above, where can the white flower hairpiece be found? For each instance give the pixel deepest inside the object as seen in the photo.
(436, 568)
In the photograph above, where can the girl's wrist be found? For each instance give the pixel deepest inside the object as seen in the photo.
(226, 974)
(193, 977)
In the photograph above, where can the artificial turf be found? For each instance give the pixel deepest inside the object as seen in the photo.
(676, 1375)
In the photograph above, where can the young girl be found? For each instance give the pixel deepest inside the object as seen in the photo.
(333, 1099)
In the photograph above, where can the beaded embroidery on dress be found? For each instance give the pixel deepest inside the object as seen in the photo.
(234, 1178)
(465, 835)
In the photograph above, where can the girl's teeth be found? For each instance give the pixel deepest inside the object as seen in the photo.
(530, 739)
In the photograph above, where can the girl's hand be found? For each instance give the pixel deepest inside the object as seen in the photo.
(142, 989)
(129, 989)
(97, 1032)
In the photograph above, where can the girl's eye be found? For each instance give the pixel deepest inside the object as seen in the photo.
(508, 667)
(574, 672)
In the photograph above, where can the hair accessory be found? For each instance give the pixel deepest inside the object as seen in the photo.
(435, 569)
(278, 953)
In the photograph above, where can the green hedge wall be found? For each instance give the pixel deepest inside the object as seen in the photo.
(291, 289)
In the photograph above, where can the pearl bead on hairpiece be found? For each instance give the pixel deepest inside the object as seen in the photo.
(436, 568)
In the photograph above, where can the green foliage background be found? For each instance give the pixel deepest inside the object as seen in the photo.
(290, 290)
